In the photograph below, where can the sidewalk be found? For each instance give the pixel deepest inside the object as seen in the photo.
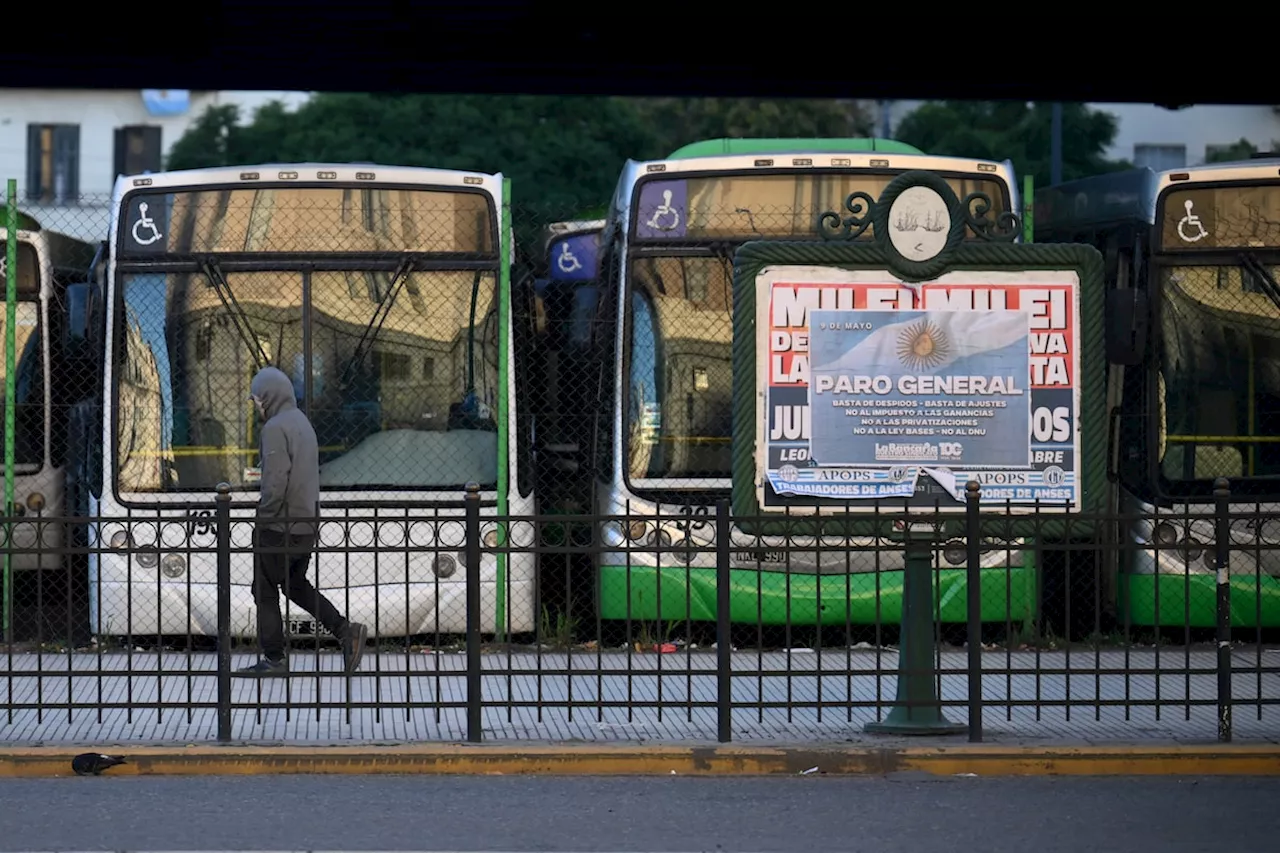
(834, 730)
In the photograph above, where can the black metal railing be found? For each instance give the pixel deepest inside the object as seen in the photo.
(981, 621)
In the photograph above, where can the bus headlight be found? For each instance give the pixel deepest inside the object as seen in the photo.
(173, 565)
(1164, 534)
(120, 540)
(636, 529)
(611, 534)
(659, 538)
(443, 566)
(491, 539)
(148, 558)
(954, 552)
(1190, 548)
(35, 502)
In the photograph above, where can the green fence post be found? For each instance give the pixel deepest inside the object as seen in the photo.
(917, 710)
(10, 389)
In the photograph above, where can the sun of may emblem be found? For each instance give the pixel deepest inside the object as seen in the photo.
(922, 345)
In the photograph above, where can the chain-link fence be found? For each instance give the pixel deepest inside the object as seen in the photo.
(601, 580)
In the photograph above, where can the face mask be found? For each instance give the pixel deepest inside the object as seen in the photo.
(257, 407)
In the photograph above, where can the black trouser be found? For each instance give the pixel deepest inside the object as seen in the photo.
(288, 571)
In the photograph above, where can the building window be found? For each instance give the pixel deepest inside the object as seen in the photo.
(696, 278)
(137, 150)
(393, 366)
(1160, 157)
(53, 163)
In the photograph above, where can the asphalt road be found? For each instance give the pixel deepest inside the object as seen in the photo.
(432, 813)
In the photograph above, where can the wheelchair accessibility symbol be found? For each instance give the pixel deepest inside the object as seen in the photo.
(568, 261)
(1188, 221)
(665, 209)
(144, 224)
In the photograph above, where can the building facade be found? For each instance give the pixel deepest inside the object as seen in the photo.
(1171, 139)
(1149, 135)
(65, 147)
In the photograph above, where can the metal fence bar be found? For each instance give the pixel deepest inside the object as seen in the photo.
(973, 585)
(223, 522)
(724, 635)
(475, 698)
(1222, 556)
(10, 393)
(791, 678)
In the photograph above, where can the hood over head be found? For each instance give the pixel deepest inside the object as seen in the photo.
(274, 390)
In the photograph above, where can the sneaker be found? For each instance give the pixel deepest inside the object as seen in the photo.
(266, 667)
(353, 640)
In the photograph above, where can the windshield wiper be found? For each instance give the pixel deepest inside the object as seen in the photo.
(1265, 279)
(379, 317)
(471, 335)
(220, 286)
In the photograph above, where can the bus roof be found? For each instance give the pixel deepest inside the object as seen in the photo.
(816, 160)
(1257, 169)
(312, 173)
(553, 231)
(1130, 196)
(806, 159)
(1109, 198)
(713, 147)
(572, 226)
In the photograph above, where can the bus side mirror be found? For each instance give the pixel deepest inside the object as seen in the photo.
(83, 305)
(1126, 326)
(98, 269)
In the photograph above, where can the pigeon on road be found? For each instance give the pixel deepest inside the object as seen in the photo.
(93, 763)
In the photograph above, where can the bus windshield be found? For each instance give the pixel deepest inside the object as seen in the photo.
(401, 398)
(679, 402)
(1219, 375)
(747, 206)
(28, 437)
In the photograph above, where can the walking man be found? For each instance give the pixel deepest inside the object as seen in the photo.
(290, 495)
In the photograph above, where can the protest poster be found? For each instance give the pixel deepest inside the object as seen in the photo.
(871, 388)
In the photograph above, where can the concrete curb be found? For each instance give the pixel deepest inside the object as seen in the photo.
(624, 760)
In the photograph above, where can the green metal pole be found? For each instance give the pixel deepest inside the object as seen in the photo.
(504, 403)
(1028, 192)
(10, 389)
(916, 711)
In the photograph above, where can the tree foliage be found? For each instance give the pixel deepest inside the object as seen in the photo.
(679, 121)
(1017, 131)
(563, 153)
(1242, 149)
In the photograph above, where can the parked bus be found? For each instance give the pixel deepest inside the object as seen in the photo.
(384, 293)
(1193, 378)
(664, 424)
(47, 262)
(565, 294)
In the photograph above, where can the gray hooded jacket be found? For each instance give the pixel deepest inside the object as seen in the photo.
(289, 455)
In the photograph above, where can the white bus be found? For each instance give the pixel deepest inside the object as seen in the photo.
(664, 425)
(45, 582)
(384, 293)
(1193, 259)
(47, 262)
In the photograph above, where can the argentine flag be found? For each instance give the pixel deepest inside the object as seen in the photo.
(928, 342)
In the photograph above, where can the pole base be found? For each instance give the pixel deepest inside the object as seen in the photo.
(922, 721)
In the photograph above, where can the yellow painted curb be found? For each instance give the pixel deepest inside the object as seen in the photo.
(587, 760)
